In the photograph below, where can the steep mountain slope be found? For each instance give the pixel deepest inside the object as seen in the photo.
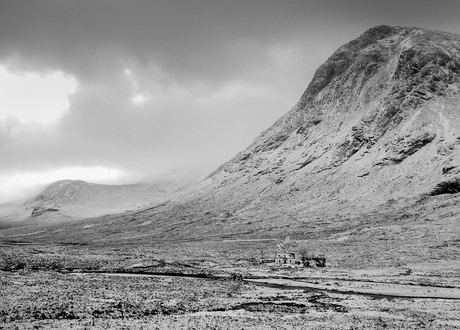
(381, 106)
(374, 142)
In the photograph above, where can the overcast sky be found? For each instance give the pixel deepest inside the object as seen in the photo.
(117, 91)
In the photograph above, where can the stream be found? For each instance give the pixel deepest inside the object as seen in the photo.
(260, 282)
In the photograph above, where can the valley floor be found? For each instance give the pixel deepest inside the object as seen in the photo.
(60, 287)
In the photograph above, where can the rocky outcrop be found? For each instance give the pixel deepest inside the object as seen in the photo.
(447, 187)
(404, 147)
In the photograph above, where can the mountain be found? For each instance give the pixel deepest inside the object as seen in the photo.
(374, 142)
(379, 124)
(381, 106)
(74, 199)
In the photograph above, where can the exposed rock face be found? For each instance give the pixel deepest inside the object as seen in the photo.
(447, 187)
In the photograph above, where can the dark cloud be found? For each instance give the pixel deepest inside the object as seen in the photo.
(190, 37)
(211, 75)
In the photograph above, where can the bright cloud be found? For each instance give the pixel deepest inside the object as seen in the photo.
(140, 99)
(34, 97)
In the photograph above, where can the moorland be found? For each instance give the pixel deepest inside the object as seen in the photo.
(216, 285)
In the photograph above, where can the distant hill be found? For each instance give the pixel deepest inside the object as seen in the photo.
(74, 199)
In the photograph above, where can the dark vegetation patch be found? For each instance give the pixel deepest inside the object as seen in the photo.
(36, 296)
(49, 310)
(283, 304)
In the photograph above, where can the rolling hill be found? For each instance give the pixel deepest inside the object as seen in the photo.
(68, 200)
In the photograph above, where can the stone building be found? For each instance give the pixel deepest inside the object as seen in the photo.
(286, 258)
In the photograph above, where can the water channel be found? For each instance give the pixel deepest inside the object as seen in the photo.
(260, 282)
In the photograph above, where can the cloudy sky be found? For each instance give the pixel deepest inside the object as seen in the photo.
(117, 91)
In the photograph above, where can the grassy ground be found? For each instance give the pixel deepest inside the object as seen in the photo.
(38, 295)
